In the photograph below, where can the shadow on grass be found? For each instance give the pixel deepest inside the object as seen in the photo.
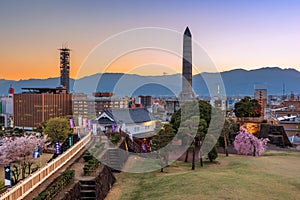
(280, 153)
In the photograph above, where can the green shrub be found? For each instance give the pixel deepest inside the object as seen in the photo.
(114, 139)
(66, 178)
(93, 150)
(87, 156)
(1, 133)
(99, 145)
(93, 161)
(91, 166)
(41, 196)
(213, 154)
(86, 168)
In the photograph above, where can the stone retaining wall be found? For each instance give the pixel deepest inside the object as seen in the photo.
(73, 193)
(104, 181)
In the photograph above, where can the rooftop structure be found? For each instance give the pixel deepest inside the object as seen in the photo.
(129, 115)
(135, 121)
(45, 90)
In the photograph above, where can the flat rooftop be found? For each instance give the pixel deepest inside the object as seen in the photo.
(44, 90)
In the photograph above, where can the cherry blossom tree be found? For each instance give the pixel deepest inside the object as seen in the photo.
(18, 152)
(247, 144)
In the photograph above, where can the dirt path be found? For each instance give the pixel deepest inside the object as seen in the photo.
(46, 183)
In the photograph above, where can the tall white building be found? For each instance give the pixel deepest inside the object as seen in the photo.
(218, 100)
(7, 110)
(7, 104)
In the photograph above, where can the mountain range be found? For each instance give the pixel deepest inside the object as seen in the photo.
(238, 82)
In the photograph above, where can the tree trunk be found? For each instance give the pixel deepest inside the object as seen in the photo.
(167, 159)
(254, 152)
(193, 162)
(200, 155)
(161, 160)
(201, 160)
(225, 144)
(29, 167)
(186, 155)
(24, 166)
(16, 174)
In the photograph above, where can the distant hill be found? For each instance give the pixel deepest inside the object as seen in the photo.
(237, 82)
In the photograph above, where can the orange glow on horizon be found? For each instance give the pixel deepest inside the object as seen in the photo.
(146, 62)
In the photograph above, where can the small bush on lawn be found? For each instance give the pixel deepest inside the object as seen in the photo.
(213, 154)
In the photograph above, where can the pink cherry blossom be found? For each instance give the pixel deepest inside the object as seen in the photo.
(247, 144)
(19, 148)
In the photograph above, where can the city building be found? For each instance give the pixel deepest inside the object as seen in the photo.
(171, 106)
(261, 95)
(146, 101)
(7, 103)
(217, 100)
(287, 114)
(36, 105)
(106, 100)
(6, 109)
(91, 107)
(83, 106)
(135, 121)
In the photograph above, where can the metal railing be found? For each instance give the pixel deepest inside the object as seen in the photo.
(24, 187)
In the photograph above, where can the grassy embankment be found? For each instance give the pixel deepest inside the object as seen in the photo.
(275, 175)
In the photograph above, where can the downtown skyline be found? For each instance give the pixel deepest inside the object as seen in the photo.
(234, 34)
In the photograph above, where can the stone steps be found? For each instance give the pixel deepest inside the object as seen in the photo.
(87, 190)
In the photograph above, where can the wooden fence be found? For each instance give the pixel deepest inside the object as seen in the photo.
(27, 185)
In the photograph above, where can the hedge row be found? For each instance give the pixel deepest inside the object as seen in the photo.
(65, 179)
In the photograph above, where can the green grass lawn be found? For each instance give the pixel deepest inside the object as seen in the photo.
(275, 175)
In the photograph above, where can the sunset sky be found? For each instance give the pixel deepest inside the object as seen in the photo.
(234, 33)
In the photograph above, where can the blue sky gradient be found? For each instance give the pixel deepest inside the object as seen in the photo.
(234, 33)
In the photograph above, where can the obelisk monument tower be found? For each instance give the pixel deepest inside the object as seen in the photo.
(187, 91)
